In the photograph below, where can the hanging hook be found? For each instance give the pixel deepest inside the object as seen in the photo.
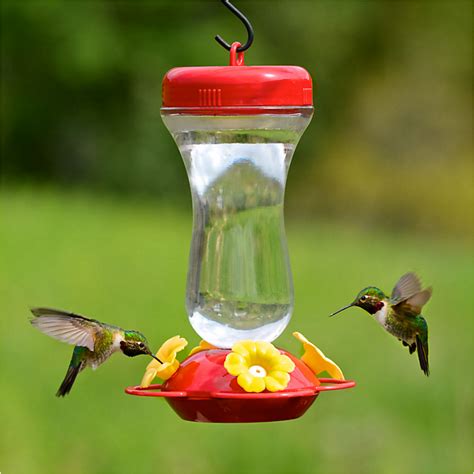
(245, 21)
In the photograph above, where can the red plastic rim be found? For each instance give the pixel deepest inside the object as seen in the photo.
(203, 391)
(207, 406)
(155, 391)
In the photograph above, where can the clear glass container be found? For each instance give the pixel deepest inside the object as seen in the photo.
(239, 278)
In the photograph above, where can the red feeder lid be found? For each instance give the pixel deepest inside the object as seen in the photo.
(220, 89)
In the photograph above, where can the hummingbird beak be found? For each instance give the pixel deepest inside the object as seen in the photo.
(154, 357)
(342, 309)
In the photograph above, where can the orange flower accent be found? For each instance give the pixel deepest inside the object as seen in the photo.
(316, 360)
(203, 346)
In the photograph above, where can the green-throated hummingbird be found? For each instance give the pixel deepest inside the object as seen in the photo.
(400, 314)
(94, 341)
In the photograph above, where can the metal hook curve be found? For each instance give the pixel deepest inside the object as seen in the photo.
(246, 23)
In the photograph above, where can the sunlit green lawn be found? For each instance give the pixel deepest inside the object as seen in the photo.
(126, 263)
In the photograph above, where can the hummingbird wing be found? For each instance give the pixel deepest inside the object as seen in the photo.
(419, 300)
(412, 306)
(66, 327)
(408, 286)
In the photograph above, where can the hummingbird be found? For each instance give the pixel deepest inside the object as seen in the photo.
(400, 313)
(94, 341)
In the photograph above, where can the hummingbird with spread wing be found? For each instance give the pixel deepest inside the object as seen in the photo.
(400, 313)
(94, 341)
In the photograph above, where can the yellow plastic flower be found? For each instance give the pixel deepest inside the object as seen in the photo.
(258, 366)
(167, 354)
(203, 346)
(316, 360)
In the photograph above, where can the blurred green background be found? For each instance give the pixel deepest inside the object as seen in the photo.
(96, 218)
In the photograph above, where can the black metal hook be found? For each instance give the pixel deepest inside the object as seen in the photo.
(245, 21)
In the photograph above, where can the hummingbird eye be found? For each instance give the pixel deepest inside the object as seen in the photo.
(363, 298)
(141, 345)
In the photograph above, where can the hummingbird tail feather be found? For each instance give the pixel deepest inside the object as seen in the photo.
(69, 379)
(423, 355)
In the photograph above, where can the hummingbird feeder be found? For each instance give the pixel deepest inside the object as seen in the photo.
(237, 128)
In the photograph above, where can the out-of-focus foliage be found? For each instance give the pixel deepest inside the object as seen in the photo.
(125, 263)
(390, 144)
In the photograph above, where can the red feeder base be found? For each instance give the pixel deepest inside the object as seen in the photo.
(203, 391)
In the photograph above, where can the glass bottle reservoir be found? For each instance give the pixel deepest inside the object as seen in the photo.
(236, 128)
(239, 279)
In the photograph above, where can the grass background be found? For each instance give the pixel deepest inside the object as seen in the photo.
(125, 262)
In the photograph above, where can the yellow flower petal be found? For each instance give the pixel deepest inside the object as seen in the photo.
(167, 352)
(280, 376)
(249, 360)
(148, 377)
(244, 348)
(167, 370)
(316, 360)
(203, 346)
(250, 383)
(285, 364)
(235, 364)
(153, 365)
(277, 380)
(265, 350)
